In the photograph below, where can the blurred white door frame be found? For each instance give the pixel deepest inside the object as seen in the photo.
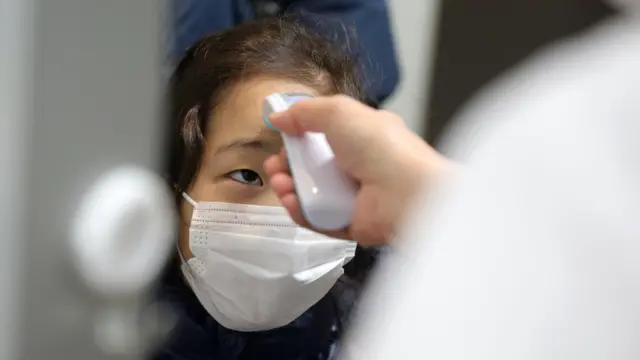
(16, 21)
(79, 95)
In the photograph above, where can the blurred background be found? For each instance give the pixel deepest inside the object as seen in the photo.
(80, 90)
(449, 49)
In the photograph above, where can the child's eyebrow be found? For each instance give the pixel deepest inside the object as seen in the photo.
(268, 141)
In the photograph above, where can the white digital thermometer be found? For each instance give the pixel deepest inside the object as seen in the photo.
(327, 195)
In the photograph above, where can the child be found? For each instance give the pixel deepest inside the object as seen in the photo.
(241, 286)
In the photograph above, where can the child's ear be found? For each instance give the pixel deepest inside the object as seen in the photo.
(191, 130)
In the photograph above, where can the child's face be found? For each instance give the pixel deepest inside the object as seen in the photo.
(238, 143)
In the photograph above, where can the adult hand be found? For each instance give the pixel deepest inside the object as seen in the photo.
(388, 161)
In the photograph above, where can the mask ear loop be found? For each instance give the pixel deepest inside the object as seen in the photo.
(189, 199)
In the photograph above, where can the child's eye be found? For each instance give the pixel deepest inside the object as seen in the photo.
(246, 176)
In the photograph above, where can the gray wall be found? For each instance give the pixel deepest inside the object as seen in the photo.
(480, 39)
(414, 24)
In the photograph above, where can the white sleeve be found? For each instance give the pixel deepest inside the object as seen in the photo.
(536, 252)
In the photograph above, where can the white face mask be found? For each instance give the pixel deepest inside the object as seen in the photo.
(254, 269)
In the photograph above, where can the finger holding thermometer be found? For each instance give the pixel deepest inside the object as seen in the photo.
(327, 195)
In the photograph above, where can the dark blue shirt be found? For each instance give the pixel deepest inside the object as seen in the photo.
(364, 24)
(197, 336)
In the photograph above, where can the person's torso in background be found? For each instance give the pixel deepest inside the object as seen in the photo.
(195, 18)
(361, 26)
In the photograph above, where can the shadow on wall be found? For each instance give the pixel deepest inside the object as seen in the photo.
(480, 39)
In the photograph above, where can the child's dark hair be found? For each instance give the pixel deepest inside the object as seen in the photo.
(274, 47)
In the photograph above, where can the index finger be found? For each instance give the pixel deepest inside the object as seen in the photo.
(313, 114)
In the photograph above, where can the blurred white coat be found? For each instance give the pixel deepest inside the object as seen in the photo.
(534, 253)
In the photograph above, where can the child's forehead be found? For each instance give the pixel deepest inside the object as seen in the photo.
(241, 106)
(239, 112)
